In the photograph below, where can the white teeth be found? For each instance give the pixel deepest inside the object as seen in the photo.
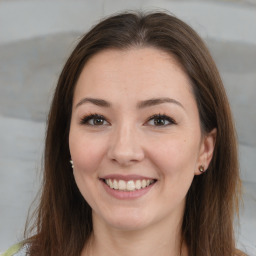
(115, 184)
(111, 183)
(128, 185)
(143, 183)
(121, 185)
(138, 184)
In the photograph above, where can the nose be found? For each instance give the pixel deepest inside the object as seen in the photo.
(125, 146)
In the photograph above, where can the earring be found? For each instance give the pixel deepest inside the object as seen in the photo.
(201, 169)
(72, 164)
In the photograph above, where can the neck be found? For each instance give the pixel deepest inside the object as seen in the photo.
(163, 239)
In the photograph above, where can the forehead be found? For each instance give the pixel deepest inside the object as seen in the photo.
(136, 72)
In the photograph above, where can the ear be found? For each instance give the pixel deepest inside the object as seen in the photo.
(206, 151)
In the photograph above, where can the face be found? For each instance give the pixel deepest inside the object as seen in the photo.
(135, 137)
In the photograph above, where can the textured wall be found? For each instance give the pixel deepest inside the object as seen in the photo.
(35, 39)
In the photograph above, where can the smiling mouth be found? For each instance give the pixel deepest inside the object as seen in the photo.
(130, 185)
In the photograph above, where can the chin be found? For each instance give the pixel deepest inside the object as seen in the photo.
(127, 219)
(128, 224)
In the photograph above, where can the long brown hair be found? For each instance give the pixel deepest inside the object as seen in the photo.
(63, 218)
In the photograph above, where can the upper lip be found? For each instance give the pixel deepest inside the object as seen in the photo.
(126, 177)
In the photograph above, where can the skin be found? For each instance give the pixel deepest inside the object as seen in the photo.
(127, 142)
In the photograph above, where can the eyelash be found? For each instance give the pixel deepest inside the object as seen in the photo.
(89, 117)
(85, 120)
(162, 117)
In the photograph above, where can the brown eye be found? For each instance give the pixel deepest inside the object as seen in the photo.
(98, 121)
(94, 120)
(160, 120)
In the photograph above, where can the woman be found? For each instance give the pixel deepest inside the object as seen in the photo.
(140, 153)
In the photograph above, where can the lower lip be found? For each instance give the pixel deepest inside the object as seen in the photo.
(125, 195)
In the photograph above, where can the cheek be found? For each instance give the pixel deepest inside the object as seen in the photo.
(175, 156)
(86, 152)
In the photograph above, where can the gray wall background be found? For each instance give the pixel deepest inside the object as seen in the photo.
(37, 36)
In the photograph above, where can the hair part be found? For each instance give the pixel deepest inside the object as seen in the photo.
(64, 221)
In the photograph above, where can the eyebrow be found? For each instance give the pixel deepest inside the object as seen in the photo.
(157, 101)
(97, 102)
(140, 105)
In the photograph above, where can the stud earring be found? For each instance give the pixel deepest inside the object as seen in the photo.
(72, 164)
(201, 169)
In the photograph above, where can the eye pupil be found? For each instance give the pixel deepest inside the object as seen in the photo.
(159, 121)
(98, 121)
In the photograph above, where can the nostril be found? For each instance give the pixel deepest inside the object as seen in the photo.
(125, 157)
